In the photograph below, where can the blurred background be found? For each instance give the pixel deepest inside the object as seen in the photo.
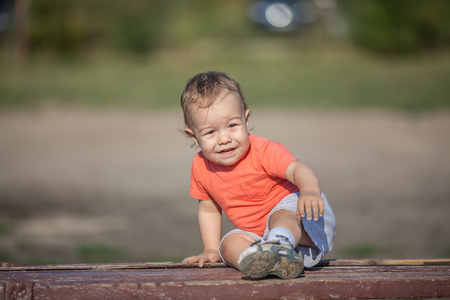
(93, 164)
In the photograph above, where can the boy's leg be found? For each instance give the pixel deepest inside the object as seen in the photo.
(289, 220)
(233, 245)
(277, 256)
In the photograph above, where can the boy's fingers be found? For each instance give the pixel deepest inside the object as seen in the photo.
(204, 258)
(321, 208)
(189, 260)
(201, 259)
(308, 210)
(315, 211)
(318, 208)
(311, 207)
(301, 209)
(200, 262)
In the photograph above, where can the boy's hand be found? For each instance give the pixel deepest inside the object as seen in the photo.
(208, 255)
(310, 205)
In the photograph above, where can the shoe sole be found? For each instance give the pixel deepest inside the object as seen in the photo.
(263, 263)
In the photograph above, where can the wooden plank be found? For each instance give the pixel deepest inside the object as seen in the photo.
(2, 291)
(176, 265)
(210, 274)
(325, 289)
(385, 262)
(344, 279)
(112, 266)
(19, 289)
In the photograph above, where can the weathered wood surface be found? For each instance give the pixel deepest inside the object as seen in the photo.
(330, 279)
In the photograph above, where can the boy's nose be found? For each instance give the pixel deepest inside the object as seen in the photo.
(223, 138)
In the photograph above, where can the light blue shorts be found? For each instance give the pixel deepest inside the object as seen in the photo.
(321, 232)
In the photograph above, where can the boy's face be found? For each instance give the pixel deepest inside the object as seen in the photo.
(221, 130)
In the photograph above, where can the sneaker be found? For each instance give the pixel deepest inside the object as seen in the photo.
(270, 258)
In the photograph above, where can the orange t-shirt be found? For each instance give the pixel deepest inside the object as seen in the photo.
(248, 190)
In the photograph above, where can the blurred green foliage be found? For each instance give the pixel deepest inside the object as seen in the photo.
(399, 26)
(75, 27)
(141, 26)
(138, 26)
(77, 56)
(280, 79)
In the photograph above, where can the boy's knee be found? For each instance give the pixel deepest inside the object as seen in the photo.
(232, 246)
(235, 239)
(283, 215)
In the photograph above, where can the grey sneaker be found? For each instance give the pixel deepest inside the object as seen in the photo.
(270, 258)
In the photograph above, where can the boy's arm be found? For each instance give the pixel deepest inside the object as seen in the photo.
(210, 221)
(310, 202)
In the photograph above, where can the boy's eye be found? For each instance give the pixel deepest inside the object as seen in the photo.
(233, 125)
(209, 132)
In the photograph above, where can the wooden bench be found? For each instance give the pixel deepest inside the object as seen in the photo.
(329, 280)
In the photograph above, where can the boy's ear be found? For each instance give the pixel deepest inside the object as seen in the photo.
(247, 115)
(190, 133)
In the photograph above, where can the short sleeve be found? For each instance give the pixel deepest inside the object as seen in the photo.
(276, 158)
(197, 190)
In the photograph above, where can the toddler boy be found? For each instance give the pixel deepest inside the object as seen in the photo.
(283, 220)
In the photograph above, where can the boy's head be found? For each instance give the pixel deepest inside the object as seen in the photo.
(216, 117)
(204, 89)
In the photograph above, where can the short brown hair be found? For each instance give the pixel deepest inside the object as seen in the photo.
(204, 88)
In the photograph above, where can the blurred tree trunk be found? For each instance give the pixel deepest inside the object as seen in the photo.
(22, 20)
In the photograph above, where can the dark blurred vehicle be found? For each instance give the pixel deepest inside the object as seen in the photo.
(282, 15)
(293, 15)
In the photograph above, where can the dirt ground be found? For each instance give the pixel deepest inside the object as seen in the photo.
(73, 177)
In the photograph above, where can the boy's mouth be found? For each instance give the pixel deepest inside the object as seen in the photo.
(227, 151)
